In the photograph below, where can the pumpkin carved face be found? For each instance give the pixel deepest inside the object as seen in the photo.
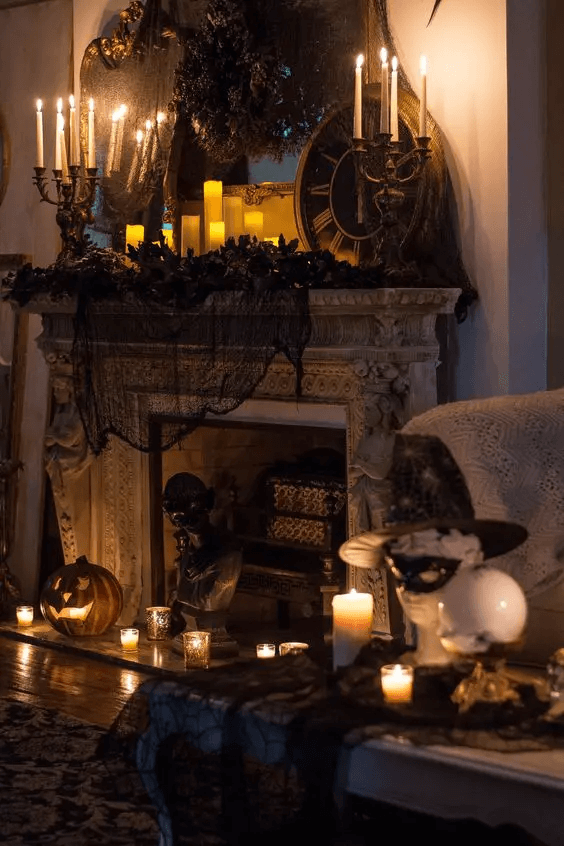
(81, 599)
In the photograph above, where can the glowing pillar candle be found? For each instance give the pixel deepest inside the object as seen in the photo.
(233, 212)
(24, 615)
(129, 639)
(133, 235)
(254, 224)
(397, 682)
(423, 98)
(352, 626)
(74, 150)
(266, 650)
(190, 234)
(158, 622)
(217, 234)
(394, 101)
(58, 130)
(213, 207)
(168, 234)
(196, 650)
(91, 158)
(357, 120)
(39, 161)
(384, 94)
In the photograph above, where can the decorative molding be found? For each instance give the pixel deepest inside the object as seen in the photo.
(253, 195)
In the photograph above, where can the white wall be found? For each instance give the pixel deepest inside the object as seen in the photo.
(484, 89)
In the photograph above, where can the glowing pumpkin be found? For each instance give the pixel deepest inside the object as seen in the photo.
(81, 599)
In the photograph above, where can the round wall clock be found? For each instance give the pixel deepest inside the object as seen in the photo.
(334, 207)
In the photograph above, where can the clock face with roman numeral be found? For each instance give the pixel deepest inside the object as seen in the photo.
(334, 207)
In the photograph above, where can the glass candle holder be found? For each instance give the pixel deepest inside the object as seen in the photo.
(24, 615)
(129, 639)
(158, 622)
(292, 647)
(266, 650)
(196, 650)
(397, 683)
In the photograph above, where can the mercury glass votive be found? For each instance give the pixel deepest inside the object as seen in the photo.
(24, 615)
(196, 650)
(158, 622)
(266, 650)
(129, 639)
(397, 683)
(292, 647)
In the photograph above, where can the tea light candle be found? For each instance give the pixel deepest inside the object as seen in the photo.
(196, 650)
(24, 615)
(397, 682)
(266, 650)
(158, 622)
(292, 647)
(129, 639)
(352, 626)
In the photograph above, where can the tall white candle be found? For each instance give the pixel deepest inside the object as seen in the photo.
(63, 146)
(384, 95)
(59, 126)
(357, 122)
(136, 161)
(91, 159)
(112, 144)
(74, 157)
(39, 162)
(423, 98)
(394, 101)
(352, 626)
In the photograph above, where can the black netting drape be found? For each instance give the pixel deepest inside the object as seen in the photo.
(139, 362)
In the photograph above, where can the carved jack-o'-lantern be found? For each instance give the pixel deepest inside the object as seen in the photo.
(81, 599)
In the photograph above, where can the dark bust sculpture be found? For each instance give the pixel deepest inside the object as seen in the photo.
(209, 561)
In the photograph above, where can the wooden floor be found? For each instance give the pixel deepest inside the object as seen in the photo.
(90, 690)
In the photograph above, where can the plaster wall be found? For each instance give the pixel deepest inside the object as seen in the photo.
(485, 87)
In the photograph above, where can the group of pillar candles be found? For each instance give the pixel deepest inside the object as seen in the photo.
(389, 97)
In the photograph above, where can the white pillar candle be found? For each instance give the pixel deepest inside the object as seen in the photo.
(423, 98)
(352, 625)
(254, 224)
(134, 235)
(384, 95)
(266, 650)
(74, 151)
(59, 125)
(24, 615)
(91, 158)
(394, 101)
(357, 121)
(233, 213)
(213, 207)
(129, 639)
(190, 234)
(216, 234)
(39, 162)
(397, 682)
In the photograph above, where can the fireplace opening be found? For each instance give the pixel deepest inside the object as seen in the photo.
(281, 489)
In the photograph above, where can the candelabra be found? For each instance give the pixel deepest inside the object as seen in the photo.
(75, 198)
(382, 163)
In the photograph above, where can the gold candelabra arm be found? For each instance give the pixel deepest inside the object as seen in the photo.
(75, 197)
(40, 180)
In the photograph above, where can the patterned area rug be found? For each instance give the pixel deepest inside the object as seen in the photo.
(54, 789)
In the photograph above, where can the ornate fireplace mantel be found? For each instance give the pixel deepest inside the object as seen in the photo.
(373, 353)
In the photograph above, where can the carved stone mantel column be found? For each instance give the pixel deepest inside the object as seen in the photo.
(372, 352)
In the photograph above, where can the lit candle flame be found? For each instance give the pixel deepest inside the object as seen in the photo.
(71, 101)
(395, 63)
(359, 60)
(161, 117)
(148, 125)
(91, 105)
(60, 105)
(39, 105)
(139, 136)
(423, 64)
(383, 55)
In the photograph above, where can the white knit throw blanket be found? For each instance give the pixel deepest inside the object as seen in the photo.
(511, 452)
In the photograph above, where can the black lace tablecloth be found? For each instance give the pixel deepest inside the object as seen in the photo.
(253, 749)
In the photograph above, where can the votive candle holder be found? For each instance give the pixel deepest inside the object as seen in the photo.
(158, 622)
(196, 650)
(292, 647)
(266, 650)
(129, 639)
(24, 615)
(397, 683)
